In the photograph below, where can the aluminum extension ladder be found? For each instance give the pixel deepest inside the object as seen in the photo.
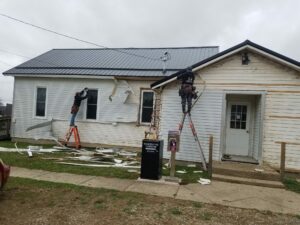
(195, 137)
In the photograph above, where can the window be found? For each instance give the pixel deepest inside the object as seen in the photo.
(40, 108)
(91, 109)
(147, 102)
(238, 117)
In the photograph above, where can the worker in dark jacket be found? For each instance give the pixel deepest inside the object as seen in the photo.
(187, 90)
(79, 96)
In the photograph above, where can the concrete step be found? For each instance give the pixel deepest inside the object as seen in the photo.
(246, 170)
(249, 181)
(271, 176)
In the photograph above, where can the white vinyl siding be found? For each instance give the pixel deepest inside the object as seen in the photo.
(206, 116)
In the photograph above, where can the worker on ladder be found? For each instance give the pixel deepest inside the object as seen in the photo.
(79, 96)
(187, 91)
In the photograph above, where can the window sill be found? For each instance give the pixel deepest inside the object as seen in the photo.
(40, 117)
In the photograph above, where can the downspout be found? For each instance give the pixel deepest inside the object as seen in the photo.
(114, 89)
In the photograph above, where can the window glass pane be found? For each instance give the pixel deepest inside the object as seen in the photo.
(40, 102)
(147, 106)
(238, 116)
(244, 117)
(243, 126)
(91, 112)
(40, 109)
(92, 96)
(232, 116)
(233, 108)
(146, 115)
(41, 94)
(91, 109)
(148, 99)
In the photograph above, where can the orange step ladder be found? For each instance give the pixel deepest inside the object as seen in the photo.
(73, 130)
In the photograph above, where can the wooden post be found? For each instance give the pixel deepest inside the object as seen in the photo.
(172, 170)
(8, 127)
(282, 160)
(210, 156)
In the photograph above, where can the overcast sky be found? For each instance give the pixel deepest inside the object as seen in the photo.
(144, 23)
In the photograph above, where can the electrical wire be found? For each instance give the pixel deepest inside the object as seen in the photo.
(5, 63)
(27, 57)
(12, 53)
(76, 39)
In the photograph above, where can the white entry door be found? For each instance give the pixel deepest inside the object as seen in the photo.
(238, 126)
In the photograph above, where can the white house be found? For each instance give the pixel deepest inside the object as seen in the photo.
(251, 101)
(119, 81)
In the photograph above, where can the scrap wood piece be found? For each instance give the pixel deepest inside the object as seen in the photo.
(204, 181)
(124, 153)
(197, 171)
(90, 159)
(106, 151)
(191, 165)
(18, 149)
(181, 171)
(52, 158)
(44, 124)
(118, 160)
(133, 162)
(99, 165)
(133, 171)
(45, 150)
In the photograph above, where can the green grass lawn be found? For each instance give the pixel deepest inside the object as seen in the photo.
(38, 161)
(27, 201)
(292, 184)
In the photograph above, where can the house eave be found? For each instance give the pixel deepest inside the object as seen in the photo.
(247, 45)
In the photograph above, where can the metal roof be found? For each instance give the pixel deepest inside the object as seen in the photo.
(113, 61)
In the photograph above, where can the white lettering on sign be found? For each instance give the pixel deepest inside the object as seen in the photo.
(151, 147)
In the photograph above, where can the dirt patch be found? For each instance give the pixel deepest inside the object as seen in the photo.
(33, 202)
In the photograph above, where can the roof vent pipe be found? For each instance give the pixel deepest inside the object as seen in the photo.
(164, 60)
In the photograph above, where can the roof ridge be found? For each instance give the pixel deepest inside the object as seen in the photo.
(136, 48)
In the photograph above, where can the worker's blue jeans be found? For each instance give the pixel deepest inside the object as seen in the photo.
(72, 121)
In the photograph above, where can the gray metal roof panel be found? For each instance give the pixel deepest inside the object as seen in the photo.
(67, 61)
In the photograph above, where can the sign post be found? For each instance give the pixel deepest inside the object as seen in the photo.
(173, 147)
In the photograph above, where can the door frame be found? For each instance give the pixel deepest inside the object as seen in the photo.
(262, 95)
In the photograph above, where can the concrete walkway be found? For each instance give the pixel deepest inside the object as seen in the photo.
(228, 194)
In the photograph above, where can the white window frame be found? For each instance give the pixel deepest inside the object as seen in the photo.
(97, 108)
(141, 105)
(35, 102)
